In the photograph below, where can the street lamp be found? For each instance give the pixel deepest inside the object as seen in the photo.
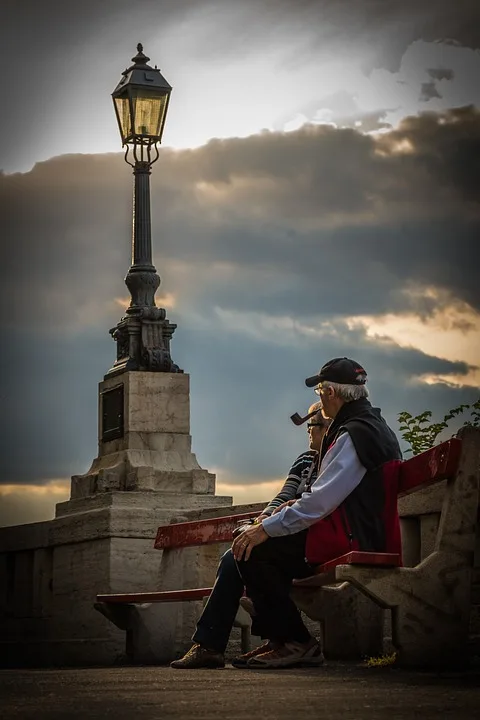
(143, 335)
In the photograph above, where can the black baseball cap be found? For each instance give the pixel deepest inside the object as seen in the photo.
(339, 370)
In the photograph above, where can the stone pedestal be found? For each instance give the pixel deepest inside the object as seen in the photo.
(143, 439)
(101, 540)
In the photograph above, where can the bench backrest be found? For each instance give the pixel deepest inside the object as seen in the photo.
(199, 532)
(432, 466)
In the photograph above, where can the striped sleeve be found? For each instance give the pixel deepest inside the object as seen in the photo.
(298, 472)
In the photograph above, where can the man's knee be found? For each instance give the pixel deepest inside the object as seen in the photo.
(259, 554)
(227, 558)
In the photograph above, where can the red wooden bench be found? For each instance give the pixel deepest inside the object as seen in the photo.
(430, 602)
(430, 467)
(371, 573)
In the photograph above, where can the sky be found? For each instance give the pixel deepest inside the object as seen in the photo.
(317, 195)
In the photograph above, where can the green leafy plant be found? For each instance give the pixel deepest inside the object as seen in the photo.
(421, 433)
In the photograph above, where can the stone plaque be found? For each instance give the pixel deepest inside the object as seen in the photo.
(112, 413)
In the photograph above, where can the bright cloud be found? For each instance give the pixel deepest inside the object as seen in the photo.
(31, 503)
(21, 504)
(165, 300)
(245, 489)
(450, 330)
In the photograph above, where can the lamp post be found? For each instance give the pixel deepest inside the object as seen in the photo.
(143, 335)
(145, 469)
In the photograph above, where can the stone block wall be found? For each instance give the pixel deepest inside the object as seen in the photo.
(51, 572)
(420, 517)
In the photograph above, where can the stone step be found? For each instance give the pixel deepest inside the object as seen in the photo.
(148, 499)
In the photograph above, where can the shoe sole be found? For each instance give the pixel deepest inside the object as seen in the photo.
(241, 663)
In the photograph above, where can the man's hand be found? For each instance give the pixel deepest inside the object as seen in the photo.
(285, 504)
(260, 518)
(246, 540)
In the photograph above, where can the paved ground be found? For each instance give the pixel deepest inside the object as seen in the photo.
(339, 691)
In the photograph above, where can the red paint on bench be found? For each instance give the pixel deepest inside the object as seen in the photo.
(431, 466)
(156, 597)
(199, 532)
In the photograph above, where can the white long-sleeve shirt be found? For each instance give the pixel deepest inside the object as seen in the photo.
(340, 473)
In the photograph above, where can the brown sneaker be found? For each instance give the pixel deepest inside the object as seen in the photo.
(199, 657)
(289, 655)
(242, 660)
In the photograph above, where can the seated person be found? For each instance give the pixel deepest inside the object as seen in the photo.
(351, 505)
(216, 622)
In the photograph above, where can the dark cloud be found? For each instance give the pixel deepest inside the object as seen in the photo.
(443, 146)
(243, 391)
(391, 27)
(251, 237)
(289, 206)
(49, 394)
(441, 74)
(428, 91)
(388, 25)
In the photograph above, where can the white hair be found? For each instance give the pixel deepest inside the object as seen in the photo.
(347, 392)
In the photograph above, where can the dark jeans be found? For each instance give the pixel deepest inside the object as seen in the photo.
(216, 621)
(268, 576)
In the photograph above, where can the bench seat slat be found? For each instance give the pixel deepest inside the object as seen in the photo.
(156, 597)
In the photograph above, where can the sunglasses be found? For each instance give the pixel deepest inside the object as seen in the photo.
(309, 425)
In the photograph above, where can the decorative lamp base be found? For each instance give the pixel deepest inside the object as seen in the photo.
(143, 342)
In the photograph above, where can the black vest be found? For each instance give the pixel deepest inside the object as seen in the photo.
(376, 446)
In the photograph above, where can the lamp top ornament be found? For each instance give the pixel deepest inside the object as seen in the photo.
(141, 101)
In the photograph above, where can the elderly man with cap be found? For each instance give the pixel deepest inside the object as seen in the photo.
(351, 505)
(216, 622)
